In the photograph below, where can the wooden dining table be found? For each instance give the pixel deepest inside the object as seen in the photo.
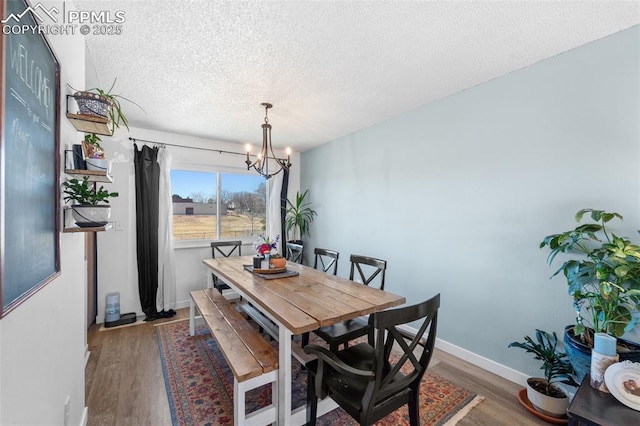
(296, 305)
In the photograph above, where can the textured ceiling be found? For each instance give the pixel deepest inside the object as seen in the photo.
(330, 68)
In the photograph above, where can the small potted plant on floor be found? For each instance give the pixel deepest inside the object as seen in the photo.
(91, 206)
(603, 277)
(544, 393)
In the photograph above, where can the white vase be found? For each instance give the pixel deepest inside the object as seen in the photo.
(99, 164)
(91, 216)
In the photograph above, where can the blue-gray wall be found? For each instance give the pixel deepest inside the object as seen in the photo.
(458, 194)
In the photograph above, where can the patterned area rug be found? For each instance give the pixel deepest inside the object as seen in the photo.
(200, 386)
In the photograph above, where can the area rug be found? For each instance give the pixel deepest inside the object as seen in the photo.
(200, 386)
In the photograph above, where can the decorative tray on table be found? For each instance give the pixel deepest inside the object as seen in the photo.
(270, 274)
(266, 271)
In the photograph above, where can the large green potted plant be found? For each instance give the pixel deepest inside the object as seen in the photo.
(103, 103)
(299, 217)
(91, 205)
(603, 276)
(544, 393)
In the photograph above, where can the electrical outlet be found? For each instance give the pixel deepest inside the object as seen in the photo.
(67, 410)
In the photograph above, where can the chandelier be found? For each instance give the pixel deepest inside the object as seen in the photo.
(261, 164)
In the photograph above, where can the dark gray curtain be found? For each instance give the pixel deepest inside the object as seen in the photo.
(283, 210)
(147, 172)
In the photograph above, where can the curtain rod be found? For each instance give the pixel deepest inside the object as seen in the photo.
(221, 151)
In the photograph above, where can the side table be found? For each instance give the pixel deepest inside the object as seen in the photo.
(592, 407)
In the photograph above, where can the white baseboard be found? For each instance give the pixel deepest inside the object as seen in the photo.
(477, 360)
(85, 417)
(482, 362)
(179, 304)
(87, 353)
(182, 304)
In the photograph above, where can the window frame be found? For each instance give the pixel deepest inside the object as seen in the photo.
(218, 171)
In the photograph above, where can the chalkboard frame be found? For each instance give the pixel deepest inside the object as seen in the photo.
(52, 175)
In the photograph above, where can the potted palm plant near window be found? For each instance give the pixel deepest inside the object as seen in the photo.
(91, 206)
(603, 277)
(299, 217)
(544, 393)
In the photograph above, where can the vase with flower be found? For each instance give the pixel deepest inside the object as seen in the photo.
(264, 246)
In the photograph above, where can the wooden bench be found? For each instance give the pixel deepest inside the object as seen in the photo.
(253, 361)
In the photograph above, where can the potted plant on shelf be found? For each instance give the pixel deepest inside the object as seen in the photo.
(91, 206)
(603, 277)
(544, 393)
(94, 153)
(102, 103)
(299, 217)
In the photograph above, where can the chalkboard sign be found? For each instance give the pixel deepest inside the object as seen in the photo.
(29, 158)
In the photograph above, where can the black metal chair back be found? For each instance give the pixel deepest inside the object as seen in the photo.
(224, 249)
(341, 333)
(326, 259)
(372, 268)
(294, 252)
(366, 380)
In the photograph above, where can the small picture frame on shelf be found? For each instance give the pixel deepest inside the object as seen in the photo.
(78, 158)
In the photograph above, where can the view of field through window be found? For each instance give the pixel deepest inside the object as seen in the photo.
(199, 213)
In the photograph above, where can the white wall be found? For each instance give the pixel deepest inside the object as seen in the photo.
(458, 194)
(117, 264)
(43, 341)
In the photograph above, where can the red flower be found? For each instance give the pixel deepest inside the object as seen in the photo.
(265, 248)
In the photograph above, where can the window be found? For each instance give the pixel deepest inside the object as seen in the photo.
(217, 205)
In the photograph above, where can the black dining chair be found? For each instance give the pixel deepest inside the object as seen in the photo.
(370, 270)
(224, 249)
(326, 260)
(294, 252)
(368, 380)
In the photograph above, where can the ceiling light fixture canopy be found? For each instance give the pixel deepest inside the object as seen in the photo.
(261, 164)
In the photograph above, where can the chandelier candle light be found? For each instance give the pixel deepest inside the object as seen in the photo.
(261, 164)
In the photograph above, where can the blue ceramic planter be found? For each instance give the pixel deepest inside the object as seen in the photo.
(580, 354)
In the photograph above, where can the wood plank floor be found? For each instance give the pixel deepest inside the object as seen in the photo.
(125, 385)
